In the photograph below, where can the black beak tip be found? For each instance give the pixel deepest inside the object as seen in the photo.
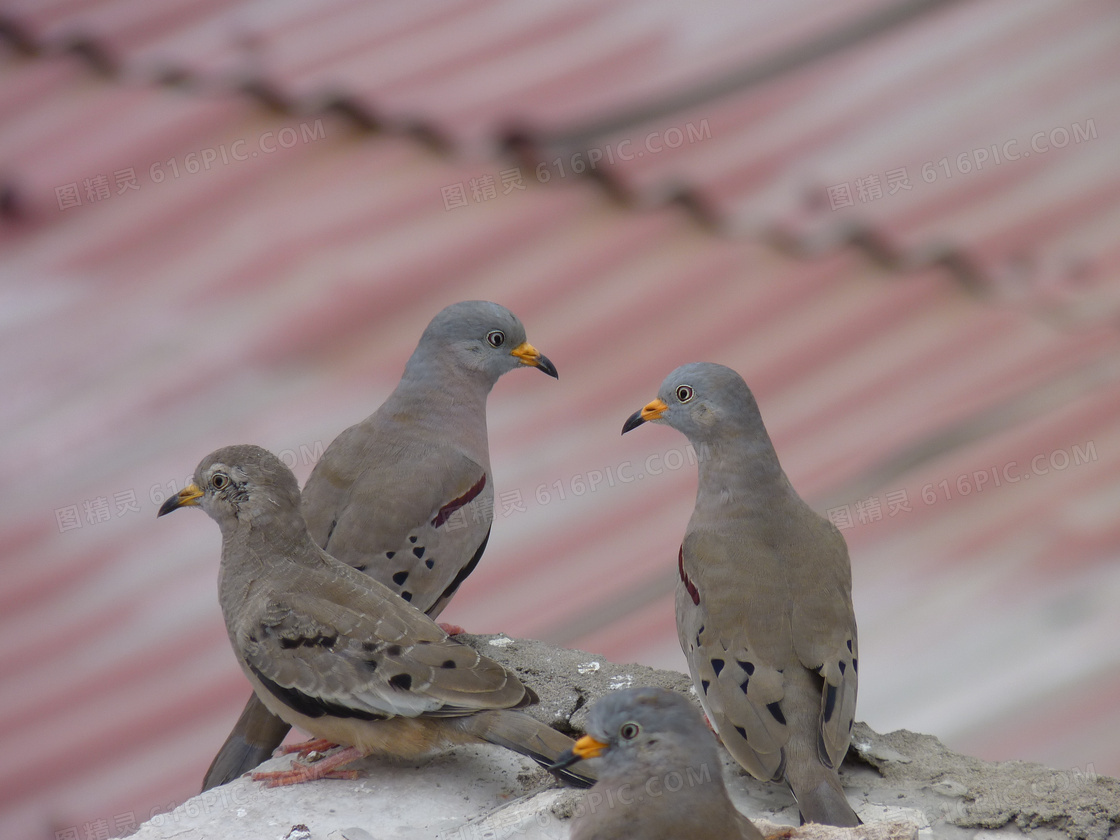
(566, 760)
(546, 365)
(632, 422)
(168, 506)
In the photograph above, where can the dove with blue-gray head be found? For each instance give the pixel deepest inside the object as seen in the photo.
(764, 597)
(407, 495)
(332, 651)
(660, 774)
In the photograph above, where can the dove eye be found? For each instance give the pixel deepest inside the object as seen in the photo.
(629, 731)
(219, 481)
(496, 338)
(684, 393)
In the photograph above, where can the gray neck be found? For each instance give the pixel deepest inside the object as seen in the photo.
(741, 472)
(444, 398)
(251, 553)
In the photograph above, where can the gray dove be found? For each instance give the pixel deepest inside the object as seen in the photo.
(660, 776)
(407, 495)
(332, 651)
(764, 600)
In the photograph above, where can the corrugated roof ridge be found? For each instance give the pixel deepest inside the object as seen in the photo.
(755, 72)
(531, 148)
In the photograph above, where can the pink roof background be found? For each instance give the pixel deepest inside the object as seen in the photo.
(896, 220)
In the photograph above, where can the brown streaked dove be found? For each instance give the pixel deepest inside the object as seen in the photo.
(332, 651)
(764, 601)
(406, 495)
(660, 776)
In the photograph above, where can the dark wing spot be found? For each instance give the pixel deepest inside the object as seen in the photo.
(393, 650)
(389, 555)
(418, 551)
(742, 732)
(829, 702)
(361, 568)
(429, 562)
(401, 681)
(855, 665)
(313, 707)
(843, 667)
(748, 667)
(743, 685)
(406, 595)
(412, 539)
(717, 665)
(704, 685)
(449, 663)
(371, 664)
(400, 577)
(369, 647)
(308, 641)
(330, 531)
(850, 646)
(775, 710)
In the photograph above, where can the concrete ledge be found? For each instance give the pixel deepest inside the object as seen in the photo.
(902, 785)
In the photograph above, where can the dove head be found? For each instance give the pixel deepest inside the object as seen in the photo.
(650, 726)
(476, 336)
(706, 402)
(239, 486)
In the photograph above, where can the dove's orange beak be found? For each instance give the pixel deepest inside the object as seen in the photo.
(585, 747)
(527, 354)
(588, 747)
(187, 497)
(651, 411)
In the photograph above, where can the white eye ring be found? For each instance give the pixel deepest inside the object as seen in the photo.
(496, 338)
(684, 393)
(219, 481)
(629, 731)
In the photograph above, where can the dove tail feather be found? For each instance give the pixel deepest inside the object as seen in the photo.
(254, 738)
(826, 804)
(526, 735)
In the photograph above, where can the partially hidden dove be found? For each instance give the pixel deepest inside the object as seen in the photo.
(407, 495)
(764, 600)
(332, 651)
(660, 776)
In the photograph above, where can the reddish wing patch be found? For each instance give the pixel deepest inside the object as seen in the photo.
(445, 512)
(689, 585)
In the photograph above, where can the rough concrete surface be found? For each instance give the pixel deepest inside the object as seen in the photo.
(903, 785)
